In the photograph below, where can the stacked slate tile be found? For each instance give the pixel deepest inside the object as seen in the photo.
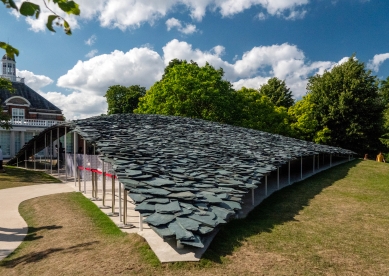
(189, 176)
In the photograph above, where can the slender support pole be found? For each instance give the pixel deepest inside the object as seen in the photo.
(75, 159)
(330, 159)
(289, 172)
(113, 194)
(252, 196)
(84, 159)
(278, 178)
(140, 222)
(79, 179)
(349, 157)
(93, 184)
(104, 183)
(120, 201)
(125, 207)
(96, 184)
(58, 150)
(51, 151)
(301, 168)
(318, 160)
(17, 162)
(313, 165)
(34, 155)
(45, 151)
(266, 185)
(25, 159)
(65, 159)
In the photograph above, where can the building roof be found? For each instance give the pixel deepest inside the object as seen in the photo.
(8, 58)
(36, 100)
(186, 175)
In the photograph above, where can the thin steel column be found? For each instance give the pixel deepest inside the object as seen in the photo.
(330, 159)
(51, 151)
(34, 155)
(58, 150)
(25, 159)
(301, 168)
(125, 207)
(266, 184)
(289, 172)
(93, 184)
(318, 161)
(140, 222)
(120, 201)
(75, 160)
(96, 184)
(313, 168)
(64, 158)
(45, 151)
(113, 194)
(104, 180)
(79, 179)
(84, 164)
(17, 162)
(252, 196)
(278, 178)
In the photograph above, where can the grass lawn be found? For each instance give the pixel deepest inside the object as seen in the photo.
(335, 223)
(16, 177)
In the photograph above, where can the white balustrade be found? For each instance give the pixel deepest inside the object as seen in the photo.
(34, 122)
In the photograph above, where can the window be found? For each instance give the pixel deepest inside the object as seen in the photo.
(18, 114)
(4, 68)
(4, 142)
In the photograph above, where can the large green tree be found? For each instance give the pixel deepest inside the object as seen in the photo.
(278, 92)
(188, 90)
(257, 111)
(123, 99)
(347, 107)
(27, 8)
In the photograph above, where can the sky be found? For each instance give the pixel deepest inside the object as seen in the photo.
(129, 42)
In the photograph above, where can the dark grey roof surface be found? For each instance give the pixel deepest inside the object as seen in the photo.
(36, 100)
(188, 176)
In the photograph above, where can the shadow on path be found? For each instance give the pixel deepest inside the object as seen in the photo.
(279, 208)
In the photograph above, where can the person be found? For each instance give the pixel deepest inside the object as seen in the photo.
(380, 158)
(366, 157)
(1, 160)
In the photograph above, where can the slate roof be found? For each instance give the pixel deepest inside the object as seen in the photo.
(186, 175)
(36, 100)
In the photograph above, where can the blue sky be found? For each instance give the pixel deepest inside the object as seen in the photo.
(130, 42)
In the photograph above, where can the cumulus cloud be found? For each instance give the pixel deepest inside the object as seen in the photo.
(36, 82)
(133, 13)
(375, 63)
(91, 53)
(89, 80)
(90, 41)
(137, 66)
(175, 23)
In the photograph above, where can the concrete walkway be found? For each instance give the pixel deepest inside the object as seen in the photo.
(13, 228)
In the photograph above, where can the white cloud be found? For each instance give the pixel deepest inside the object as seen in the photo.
(132, 14)
(376, 62)
(175, 23)
(261, 16)
(36, 82)
(138, 66)
(92, 53)
(90, 41)
(78, 105)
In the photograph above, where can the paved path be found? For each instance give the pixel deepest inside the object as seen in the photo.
(13, 228)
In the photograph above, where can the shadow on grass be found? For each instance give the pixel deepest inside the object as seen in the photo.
(13, 174)
(281, 207)
(37, 256)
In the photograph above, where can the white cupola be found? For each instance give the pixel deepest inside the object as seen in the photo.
(9, 68)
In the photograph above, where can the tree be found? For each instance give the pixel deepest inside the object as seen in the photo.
(278, 92)
(5, 84)
(347, 107)
(255, 110)
(28, 8)
(189, 90)
(123, 99)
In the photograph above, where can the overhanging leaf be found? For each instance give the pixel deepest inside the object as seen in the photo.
(50, 20)
(30, 9)
(10, 4)
(10, 51)
(70, 7)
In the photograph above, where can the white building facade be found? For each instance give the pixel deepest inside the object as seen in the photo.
(30, 113)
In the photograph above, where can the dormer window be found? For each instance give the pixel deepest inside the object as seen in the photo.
(18, 114)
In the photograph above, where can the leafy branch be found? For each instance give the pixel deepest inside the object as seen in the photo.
(31, 9)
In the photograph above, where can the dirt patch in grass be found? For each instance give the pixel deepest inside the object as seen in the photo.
(332, 224)
(17, 177)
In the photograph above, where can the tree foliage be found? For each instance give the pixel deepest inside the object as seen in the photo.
(189, 90)
(278, 92)
(123, 99)
(5, 84)
(28, 8)
(346, 105)
(255, 110)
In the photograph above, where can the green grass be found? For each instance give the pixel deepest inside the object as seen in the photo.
(17, 177)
